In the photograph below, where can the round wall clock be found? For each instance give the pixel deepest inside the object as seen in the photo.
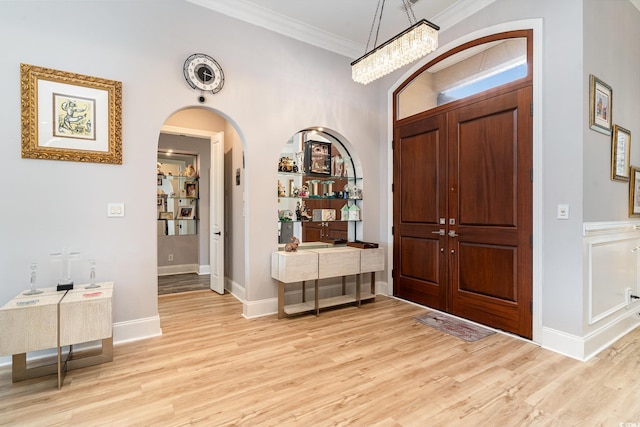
(203, 72)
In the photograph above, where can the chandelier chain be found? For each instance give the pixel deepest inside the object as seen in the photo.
(373, 24)
(408, 9)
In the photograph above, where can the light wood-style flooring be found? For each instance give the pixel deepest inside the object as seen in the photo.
(187, 282)
(367, 366)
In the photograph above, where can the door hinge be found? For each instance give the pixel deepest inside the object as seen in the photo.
(392, 230)
(392, 187)
(531, 240)
(393, 273)
(531, 174)
(532, 109)
(531, 306)
(393, 144)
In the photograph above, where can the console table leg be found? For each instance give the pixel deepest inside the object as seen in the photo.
(373, 283)
(317, 296)
(280, 300)
(358, 282)
(304, 291)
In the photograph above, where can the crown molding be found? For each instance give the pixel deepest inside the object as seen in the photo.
(265, 18)
(284, 25)
(636, 3)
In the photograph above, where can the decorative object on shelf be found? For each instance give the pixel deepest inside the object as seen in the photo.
(191, 188)
(620, 149)
(92, 275)
(69, 116)
(190, 171)
(304, 212)
(166, 215)
(203, 72)
(600, 105)
(281, 192)
(298, 212)
(186, 212)
(354, 213)
(292, 246)
(344, 213)
(304, 191)
(286, 164)
(292, 188)
(32, 290)
(64, 258)
(337, 165)
(318, 157)
(300, 161)
(285, 215)
(420, 39)
(327, 188)
(324, 215)
(362, 245)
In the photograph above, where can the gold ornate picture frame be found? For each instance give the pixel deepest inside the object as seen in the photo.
(620, 153)
(69, 116)
(634, 192)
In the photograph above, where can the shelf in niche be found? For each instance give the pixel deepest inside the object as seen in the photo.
(313, 198)
(318, 222)
(319, 177)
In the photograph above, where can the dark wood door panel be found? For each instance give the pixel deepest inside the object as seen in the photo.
(420, 258)
(488, 270)
(487, 172)
(419, 183)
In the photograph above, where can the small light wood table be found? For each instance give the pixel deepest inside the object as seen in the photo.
(55, 319)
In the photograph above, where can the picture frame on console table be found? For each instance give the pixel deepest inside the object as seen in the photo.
(69, 116)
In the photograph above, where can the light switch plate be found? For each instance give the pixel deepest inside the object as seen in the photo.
(563, 211)
(115, 210)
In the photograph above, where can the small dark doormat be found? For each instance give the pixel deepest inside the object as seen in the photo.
(452, 326)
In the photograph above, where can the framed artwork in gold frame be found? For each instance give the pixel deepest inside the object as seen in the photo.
(620, 149)
(69, 116)
(634, 192)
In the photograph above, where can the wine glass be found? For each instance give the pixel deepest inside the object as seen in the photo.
(34, 272)
(92, 275)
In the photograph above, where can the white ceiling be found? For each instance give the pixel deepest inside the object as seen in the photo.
(341, 26)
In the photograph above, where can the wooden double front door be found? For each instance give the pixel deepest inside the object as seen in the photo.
(463, 211)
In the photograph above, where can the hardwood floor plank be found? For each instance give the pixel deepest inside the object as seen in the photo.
(372, 366)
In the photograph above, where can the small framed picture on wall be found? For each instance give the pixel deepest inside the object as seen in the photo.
(620, 149)
(634, 192)
(600, 105)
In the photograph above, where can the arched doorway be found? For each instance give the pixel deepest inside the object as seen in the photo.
(197, 132)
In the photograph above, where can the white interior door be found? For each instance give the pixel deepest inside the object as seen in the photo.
(216, 229)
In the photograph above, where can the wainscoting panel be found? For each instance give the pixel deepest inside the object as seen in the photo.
(611, 261)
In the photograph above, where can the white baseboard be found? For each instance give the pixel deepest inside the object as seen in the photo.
(263, 307)
(167, 270)
(585, 348)
(138, 329)
(204, 269)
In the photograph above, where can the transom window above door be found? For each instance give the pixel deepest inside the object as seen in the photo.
(465, 71)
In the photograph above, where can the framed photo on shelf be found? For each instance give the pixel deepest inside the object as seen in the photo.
(166, 215)
(318, 157)
(620, 149)
(69, 116)
(186, 212)
(634, 192)
(191, 189)
(600, 105)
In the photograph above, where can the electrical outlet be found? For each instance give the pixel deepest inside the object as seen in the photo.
(171, 259)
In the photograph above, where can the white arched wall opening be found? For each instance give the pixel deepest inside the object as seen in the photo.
(183, 122)
(536, 26)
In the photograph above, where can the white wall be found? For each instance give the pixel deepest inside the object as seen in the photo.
(274, 87)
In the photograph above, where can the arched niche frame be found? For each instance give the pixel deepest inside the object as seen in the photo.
(320, 188)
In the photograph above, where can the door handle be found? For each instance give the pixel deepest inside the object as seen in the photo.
(453, 234)
(219, 233)
(440, 232)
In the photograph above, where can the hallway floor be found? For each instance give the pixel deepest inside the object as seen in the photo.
(176, 283)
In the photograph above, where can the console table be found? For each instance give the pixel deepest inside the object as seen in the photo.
(316, 264)
(55, 319)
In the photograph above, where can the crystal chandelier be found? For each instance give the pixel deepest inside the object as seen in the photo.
(420, 39)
